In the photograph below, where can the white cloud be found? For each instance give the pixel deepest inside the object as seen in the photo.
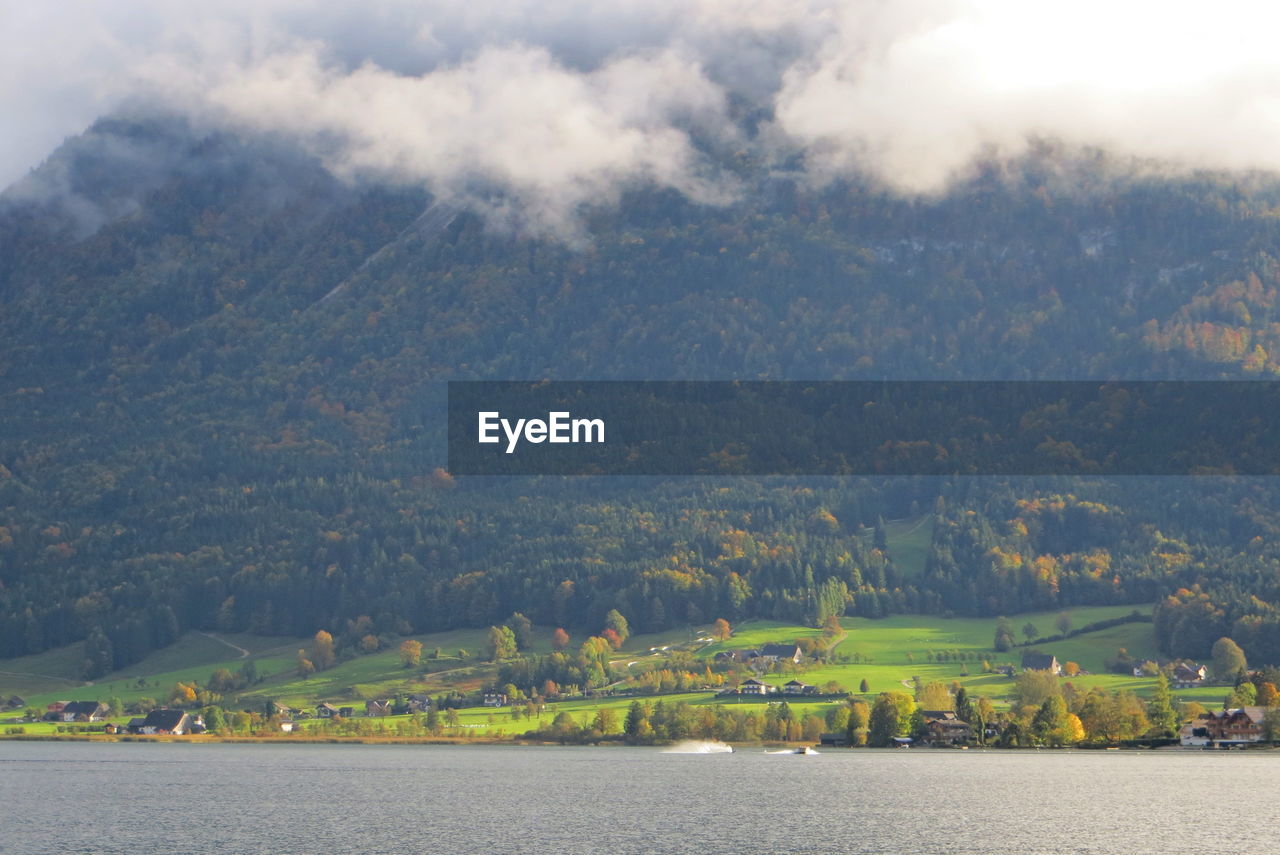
(534, 108)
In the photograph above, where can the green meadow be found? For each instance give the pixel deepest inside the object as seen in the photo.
(889, 654)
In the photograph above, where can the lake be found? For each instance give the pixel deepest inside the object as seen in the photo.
(338, 799)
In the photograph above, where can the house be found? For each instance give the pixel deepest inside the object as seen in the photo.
(346, 712)
(165, 722)
(755, 687)
(839, 739)
(795, 687)
(1239, 726)
(738, 656)
(375, 709)
(778, 652)
(418, 703)
(945, 728)
(135, 724)
(495, 699)
(76, 711)
(287, 726)
(1041, 662)
(327, 711)
(283, 710)
(15, 702)
(1188, 675)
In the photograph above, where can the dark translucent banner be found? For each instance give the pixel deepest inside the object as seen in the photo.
(864, 428)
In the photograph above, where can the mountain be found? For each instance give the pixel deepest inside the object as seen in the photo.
(222, 372)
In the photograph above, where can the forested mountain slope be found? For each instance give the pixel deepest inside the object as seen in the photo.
(221, 376)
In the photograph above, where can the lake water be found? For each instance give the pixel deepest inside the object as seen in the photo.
(338, 799)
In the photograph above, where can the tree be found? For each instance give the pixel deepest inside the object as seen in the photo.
(1164, 721)
(1071, 669)
(1049, 724)
(1063, 623)
(322, 650)
(522, 628)
(502, 643)
(305, 666)
(721, 630)
(559, 639)
(616, 622)
(115, 707)
(410, 653)
(606, 721)
(214, 720)
(890, 717)
(1004, 635)
(369, 643)
(934, 696)
(1228, 659)
(864, 687)
(859, 720)
(1029, 631)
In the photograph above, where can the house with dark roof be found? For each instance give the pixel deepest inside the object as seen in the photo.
(495, 699)
(795, 687)
(377, 709)
(76, 711)
(779, 652)
(164, 722)
(944, 727)
(326, 711)
(1041, 662)
(1188, 675)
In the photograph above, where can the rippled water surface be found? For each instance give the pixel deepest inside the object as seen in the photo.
(338, 799)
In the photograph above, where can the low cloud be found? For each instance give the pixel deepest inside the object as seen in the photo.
(527, 111)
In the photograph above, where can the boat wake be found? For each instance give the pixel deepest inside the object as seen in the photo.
(693, 746)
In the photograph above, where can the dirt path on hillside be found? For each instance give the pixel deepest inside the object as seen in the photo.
(244, 654)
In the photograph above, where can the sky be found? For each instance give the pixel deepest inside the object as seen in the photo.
(562, 101)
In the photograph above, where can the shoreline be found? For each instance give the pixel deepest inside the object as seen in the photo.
(522, 743)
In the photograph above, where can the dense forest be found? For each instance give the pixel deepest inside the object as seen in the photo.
(222, 385)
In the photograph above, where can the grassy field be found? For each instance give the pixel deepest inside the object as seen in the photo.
(891, 653)
(909, 542)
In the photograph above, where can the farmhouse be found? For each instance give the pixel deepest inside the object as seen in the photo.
(326, 710)
(755, 687)
(795, 687)
(778, 652)
(1238, 726)
(1041, 662)
(1188, 675)
(166, 722)
(376, 709)
(495, 699)
(945, 728)
(76, 711)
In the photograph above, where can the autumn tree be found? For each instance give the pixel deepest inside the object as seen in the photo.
(616, 622)
(410, 653)
(721, 630)
(934, 696)
(322, 650)
(559, 639)
(305, 666)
